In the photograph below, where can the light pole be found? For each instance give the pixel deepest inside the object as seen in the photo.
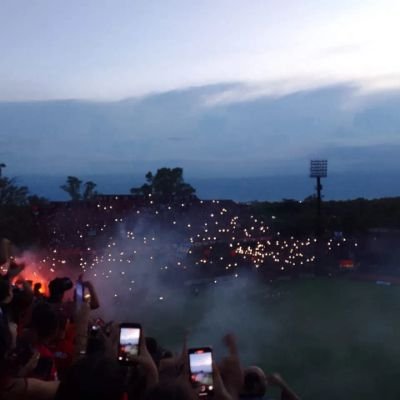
(318, 170)
(2, 165)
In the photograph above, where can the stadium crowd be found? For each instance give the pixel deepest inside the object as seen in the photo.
(51, 348)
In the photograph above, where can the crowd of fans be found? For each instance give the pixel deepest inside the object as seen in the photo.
(51, 348)
(221, 236)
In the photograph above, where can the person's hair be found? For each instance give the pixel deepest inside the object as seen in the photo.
(57, 288)
(171, 390)
(37, 286)
(254, 383)
(94, 377)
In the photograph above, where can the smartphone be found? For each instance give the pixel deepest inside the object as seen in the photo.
(201, 370)
(79, 292)
(130, 335)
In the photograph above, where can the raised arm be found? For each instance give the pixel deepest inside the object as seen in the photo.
(94, 300)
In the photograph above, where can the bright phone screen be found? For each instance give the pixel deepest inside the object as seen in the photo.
(128, 343)
(201, 373)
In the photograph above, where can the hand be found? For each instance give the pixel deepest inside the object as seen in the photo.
(177, 366)
(182, 363)
(94, 301)
(145, 361)
(230, 367)
(220, 391)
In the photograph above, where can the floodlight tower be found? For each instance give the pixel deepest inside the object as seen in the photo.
(318, 170)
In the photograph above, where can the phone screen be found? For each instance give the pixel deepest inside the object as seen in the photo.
(201, 372)
(129, 339)
(79, 292)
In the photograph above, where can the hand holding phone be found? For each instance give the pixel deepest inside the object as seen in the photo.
(201, 370)
(130, 335)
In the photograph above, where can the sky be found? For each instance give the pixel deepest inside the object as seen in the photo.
(112, 49)
(224, 89)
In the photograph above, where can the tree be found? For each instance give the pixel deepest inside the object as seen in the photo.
(89, 191)
(73, 187)
(11, 193)
(17, 220)
(166, 186)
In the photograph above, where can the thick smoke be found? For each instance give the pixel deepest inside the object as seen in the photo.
(140, 275)
(137, 269)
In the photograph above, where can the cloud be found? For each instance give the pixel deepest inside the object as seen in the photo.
(219, 130)
(382, 83)
(274, 89)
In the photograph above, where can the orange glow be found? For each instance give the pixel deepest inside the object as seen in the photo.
(32, 273)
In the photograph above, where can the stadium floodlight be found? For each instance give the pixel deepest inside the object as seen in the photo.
(319, 168)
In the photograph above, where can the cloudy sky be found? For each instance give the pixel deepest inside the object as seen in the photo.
(225, 89)
(111, 49)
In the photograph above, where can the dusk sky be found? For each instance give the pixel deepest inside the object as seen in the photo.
(111, 49)
(221, 88)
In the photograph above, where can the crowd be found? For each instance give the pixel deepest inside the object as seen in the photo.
(51, 348)
(221, 237)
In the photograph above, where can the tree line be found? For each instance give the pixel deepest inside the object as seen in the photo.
(19, 208)
(167, 186)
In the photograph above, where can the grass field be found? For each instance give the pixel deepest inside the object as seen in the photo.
(331, 339)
